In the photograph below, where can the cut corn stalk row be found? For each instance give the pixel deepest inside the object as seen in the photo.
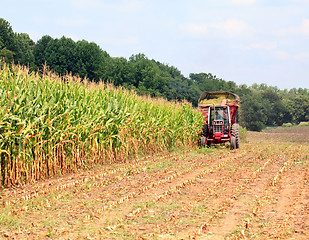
(146, 188)
(265, 196)
(82, 180)
(282, 227)
(185, 183)
(169, 192)
(227, 203)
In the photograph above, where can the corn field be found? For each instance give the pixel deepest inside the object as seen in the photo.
(51, 125)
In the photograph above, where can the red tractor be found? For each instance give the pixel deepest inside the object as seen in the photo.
(219, 110)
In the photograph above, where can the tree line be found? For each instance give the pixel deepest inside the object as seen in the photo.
(261, 105)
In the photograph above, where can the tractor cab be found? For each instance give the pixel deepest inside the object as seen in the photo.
(219, 122)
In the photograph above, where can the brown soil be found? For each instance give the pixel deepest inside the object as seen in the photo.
(259, 191)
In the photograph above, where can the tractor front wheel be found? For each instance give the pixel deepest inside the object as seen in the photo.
(233, 143)
(203, 141)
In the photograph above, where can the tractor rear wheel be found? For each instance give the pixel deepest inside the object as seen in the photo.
(235, 133)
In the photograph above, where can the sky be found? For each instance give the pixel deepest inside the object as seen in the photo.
(244, 41)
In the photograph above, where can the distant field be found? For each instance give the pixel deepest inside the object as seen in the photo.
(259, 191)
(297, 134)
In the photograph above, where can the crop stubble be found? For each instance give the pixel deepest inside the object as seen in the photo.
(257, 192)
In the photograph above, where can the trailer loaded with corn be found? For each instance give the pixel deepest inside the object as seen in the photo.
(219, 110)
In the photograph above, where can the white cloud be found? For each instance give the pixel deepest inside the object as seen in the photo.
(300, 30)
(39, 19)
(118, 6)
(264, 46)
(131, 5)
(72, 21)
(130, 40)
(304, 29)
(233, 27)
(303, 1)
(302, 56)
(86, 3)
(192, 29)
(282, 55)
(243, 2)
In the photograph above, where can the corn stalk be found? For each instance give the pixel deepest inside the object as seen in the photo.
(51, 125)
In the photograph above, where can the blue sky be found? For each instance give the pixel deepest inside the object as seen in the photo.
(245, 41)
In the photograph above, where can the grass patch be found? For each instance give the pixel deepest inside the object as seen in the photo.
(243, 133)
(170, 207)
(300, 163)
(154, 167)
(230, 166)
(233, 233)
(154, 218)
(144, 205)
(9, 221)
(256, 165)
(287, 233)
(212, 149)
(188, 222)
(200, 208)
(303, 124)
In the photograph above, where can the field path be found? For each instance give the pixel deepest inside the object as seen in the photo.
(259, 191)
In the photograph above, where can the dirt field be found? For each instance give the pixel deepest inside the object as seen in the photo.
(259, 191)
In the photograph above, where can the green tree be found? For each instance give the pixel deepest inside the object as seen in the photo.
(7, 55)
(8, 46)
(24, 53)
(120, 72)
(210, 82)
(66, 56)
(298, 107)
(39, 50)
(58, 54)
(7, 38)
(251, 113)
(274, 109)
(147, 76)
(91, 60)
